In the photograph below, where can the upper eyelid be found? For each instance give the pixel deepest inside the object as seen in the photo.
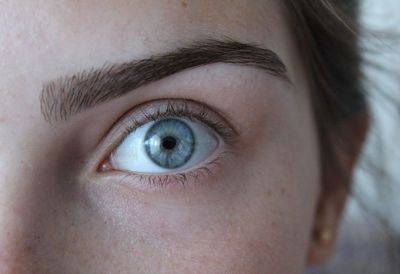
(129, 118)
(179, 111)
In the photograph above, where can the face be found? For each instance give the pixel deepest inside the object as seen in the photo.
(205, 168)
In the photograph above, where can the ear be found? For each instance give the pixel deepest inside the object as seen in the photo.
(348, 141)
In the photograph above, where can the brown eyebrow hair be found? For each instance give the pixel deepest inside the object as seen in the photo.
(70, 95)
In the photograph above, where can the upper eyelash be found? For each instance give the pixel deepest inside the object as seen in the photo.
(181, 109)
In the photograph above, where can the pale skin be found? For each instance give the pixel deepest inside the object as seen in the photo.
(255, 214)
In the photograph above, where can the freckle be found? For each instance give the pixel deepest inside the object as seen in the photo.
(28, 248)
(283, 191)
(184, 4)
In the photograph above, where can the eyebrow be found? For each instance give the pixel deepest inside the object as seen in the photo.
(69, 95)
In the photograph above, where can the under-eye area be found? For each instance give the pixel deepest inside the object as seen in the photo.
(168, 142)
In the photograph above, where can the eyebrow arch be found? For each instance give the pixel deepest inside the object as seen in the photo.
(69, 95)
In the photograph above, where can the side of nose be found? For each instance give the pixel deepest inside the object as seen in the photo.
(12, 243)
(17, 217)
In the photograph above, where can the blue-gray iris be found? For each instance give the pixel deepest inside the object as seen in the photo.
(169, 143)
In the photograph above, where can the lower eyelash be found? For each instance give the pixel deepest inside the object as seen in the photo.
(159, 182)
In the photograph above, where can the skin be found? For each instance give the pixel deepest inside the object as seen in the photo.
(255, 214)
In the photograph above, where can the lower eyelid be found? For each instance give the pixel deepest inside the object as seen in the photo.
(199, 177)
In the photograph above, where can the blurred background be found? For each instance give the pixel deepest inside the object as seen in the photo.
(371, 229)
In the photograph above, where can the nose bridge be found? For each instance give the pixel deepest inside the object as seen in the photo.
(17, 213)
(27, 195)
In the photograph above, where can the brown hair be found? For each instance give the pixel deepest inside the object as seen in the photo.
(327, 32)
(328, 35)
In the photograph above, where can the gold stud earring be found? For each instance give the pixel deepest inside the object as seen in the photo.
(323, 236)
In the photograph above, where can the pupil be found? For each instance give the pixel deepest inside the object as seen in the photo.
(169, 142)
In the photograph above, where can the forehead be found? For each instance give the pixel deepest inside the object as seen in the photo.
(43, 40)
(38, 31)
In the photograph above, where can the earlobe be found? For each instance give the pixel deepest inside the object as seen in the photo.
(323, 236)
(326, 226)
(321, 246)
(336, 184)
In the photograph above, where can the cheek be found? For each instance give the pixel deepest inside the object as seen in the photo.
(258, 218)
(250, 230)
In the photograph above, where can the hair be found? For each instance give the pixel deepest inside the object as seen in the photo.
(328, 35)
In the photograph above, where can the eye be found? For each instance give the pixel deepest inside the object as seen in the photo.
(169, 141)
(165, 146)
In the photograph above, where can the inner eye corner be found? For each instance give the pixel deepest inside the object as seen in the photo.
(104, 165)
